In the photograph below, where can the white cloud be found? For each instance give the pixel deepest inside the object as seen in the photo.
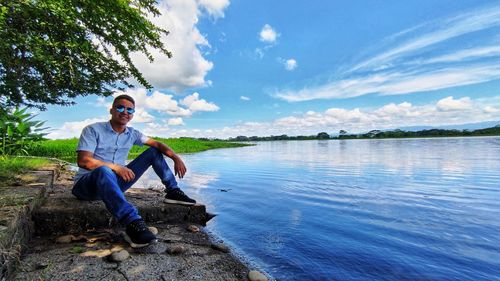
(290, 64)
(467, 54)
(491, 109)
(419, 59)
(175, 121)
(166, 104)
(440, 31)
(268, 34)
(449, 104)
(244, 98)
(392, 83)
(195, 104)
(187, 68)
(214, 7)
(389, 116)
(73, 129)
(142, 116)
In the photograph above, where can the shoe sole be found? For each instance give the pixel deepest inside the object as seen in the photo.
(134, 245)
(171, 201)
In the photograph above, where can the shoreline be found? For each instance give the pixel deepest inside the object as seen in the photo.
(200, 254)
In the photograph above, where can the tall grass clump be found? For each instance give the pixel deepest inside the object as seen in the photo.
(64, 149)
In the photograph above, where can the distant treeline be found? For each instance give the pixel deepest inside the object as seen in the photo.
(377, 134)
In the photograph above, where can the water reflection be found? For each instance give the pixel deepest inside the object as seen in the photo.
(357, 209)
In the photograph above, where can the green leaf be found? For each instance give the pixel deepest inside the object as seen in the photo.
(49, 54)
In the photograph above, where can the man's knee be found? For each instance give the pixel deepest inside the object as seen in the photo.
(153, 151)
(104, 174)
(103, 170)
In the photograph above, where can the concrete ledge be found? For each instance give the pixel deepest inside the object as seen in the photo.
(87, 255)
(16, 206)
(63, 213)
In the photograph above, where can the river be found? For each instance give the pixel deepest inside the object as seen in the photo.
(391, 209)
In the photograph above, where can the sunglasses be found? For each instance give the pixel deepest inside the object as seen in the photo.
(121, 109)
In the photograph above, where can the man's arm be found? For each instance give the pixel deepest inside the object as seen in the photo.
(179, 167)
(86, 160)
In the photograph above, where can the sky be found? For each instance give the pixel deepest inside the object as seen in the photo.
(261, 68)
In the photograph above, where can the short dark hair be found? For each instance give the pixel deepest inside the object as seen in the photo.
(124, 97)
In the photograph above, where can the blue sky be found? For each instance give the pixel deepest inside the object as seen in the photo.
(303, 67)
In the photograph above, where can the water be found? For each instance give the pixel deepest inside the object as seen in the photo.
(403, 209)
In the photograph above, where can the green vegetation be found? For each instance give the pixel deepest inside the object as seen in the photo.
(493, 131)
(12, 166)
(55, 50)
(319, 136)
(77, 249)
(18, 132)
(66, 149)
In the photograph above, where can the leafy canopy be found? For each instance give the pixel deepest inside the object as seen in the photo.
(54, 50)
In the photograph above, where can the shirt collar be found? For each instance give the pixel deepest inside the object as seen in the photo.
(108, 125)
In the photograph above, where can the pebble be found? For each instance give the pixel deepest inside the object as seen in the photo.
(193, 228)
(65, 239)
(41, 265)
(153, 230)
(176, 249)
(120, 256)
(254, 275)
(220, 247)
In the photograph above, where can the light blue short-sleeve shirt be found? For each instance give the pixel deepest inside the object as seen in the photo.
(108, 145)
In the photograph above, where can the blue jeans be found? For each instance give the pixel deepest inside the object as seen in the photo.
(104, 184)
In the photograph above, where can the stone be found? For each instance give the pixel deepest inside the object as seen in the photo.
(119, 256)
(153, 248)
(65, 239)
(209, 216)
(176, 249)
(220, 247)
(153, 230)
(41, 265)
(255, 275)
(193, 228)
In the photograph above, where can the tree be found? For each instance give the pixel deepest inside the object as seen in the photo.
(55, 50)
(342, 133)
(323, 135)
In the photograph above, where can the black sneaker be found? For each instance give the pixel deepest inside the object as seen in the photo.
(138, 234)
(176, 196)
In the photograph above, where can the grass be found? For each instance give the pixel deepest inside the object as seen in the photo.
(77, 249)
(11, 166)
(65, 149)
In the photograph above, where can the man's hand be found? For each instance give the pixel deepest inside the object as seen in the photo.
(125, 173)
(179, 167)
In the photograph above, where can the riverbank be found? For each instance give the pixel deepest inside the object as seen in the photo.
(64, 149)
(50, 235)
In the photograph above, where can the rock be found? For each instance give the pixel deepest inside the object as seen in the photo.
(220, 247)
(119, 256)
(65, 239)
(41, 265)
(254, 275)
(193, 228)
(79, 238)
(153, 230)
(153, 248)
(176, 249)
(209, 216)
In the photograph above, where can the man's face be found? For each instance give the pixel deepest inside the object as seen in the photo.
(121, 118)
